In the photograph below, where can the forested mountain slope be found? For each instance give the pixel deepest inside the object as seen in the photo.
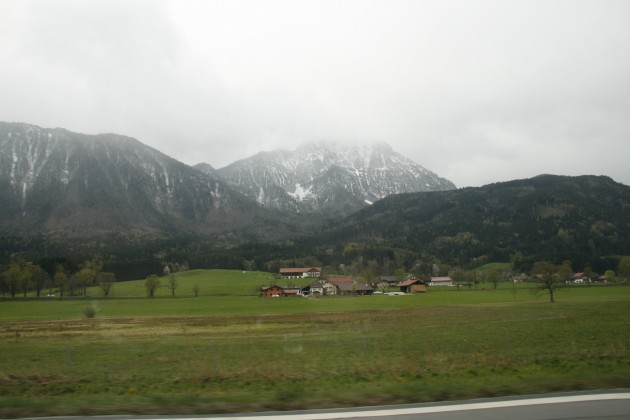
(546, 217)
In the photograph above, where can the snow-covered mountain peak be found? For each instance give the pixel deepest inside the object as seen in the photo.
(327, 174)
(363, 153)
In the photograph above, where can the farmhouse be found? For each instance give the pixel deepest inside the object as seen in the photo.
(271, 291)
(292, 291)
(580, 278)
(302, 272)
(280, 291)
(341, 280)
(348, 286)
(412, 285)
(390, 280)
(387, 282)
(354, 288)
(322, 287)
(441, 281)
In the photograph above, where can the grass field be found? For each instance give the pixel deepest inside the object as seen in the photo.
(228, 350)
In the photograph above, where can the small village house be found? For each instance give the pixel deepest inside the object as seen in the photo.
(412, 284)
(292, 291)
(390, 280)
(322, 287)
(300, 272)
(441, 281)
(354, 289)
(387, 282)
(271, 291)
(341, 280)
(348, 286)
(280, 291)
(580, 278)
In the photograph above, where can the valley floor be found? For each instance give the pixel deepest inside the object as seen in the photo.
(243, 353)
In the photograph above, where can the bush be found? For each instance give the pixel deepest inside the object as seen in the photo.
(90, 311)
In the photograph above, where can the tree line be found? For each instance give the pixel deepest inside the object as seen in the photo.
(21, 277)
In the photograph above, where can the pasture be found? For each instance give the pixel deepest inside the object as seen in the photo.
(228, 350)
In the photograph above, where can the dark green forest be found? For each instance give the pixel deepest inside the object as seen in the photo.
(582, 219)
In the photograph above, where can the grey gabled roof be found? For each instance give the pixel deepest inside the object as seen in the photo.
(391, 279)
(349, 287)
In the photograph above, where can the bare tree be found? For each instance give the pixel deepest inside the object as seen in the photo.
(40, 279)
(62, 281)
(548, 278)
(494, 277)
(172, 283)
(106, 282)
(82, 279)
(458, 275)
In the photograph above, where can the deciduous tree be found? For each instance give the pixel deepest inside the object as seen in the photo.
(106, 282)
(623, 268)
(40, 279)
(151, 283)
(494, 277)
(18, 276)
(459, 276)
(26, 282)
(87, 276)
(62, 282)
(548, 278)
(610, 276)
(565, 271)
(172, 283)
(13, 277)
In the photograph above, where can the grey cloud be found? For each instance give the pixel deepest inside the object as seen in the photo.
(477, 91)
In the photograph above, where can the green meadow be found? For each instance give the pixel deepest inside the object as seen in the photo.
(228, 350)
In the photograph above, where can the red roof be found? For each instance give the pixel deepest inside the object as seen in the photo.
(339, 280)
(409, 282)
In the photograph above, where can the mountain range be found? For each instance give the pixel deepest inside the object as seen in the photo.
(65, 193)
(67, 185)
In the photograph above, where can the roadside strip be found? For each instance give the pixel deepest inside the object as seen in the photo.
(384, 412)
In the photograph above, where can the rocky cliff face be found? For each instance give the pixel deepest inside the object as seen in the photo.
(329, 176)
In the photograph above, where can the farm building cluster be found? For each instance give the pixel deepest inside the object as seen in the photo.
(346, 286)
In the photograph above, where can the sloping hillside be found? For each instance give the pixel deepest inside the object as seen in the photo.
(61, 184)
(548, 216)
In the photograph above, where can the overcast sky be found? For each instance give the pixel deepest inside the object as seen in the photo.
(476, 91)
